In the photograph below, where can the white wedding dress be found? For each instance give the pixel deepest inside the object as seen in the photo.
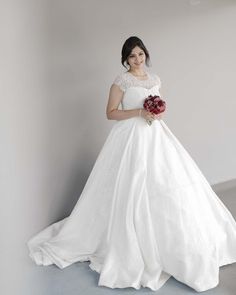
(146, 212)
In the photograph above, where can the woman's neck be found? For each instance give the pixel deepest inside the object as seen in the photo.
(139, 73)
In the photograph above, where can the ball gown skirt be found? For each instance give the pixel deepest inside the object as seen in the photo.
(146, 213)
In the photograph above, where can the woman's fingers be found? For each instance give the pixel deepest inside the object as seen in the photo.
(153, 116)
(158, 116)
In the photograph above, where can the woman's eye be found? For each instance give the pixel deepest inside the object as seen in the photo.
(133, 56)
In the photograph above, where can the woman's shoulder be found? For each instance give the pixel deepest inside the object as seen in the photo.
(121, 80)
(155, 77)
(121, 76)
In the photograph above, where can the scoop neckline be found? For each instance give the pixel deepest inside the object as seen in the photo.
(148, 76)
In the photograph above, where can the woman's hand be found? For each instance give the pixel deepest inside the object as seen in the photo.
(147, 115)
(158, 116)
(150, 116)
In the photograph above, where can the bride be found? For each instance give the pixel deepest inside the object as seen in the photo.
(146, 212)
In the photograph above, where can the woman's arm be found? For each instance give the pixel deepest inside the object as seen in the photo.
(112, 112)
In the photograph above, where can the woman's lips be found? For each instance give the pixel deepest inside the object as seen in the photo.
(139, 63)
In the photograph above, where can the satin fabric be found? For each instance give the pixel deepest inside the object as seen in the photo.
(146, 213)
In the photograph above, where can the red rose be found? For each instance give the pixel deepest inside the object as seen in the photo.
(154, 104)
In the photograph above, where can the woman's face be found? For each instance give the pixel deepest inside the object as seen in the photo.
(137, 58)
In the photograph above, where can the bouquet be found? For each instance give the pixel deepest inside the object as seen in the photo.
(155, 105)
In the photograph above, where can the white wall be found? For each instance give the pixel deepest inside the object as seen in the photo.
(58, 60)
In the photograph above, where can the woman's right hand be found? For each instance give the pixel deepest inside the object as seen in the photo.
(147, 115)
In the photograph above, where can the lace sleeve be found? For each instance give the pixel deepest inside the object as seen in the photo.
(120, 82)
(158, 80)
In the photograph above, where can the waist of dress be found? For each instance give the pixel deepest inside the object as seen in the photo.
(136, 120)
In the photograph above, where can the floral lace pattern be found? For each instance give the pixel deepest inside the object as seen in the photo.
(125, 80)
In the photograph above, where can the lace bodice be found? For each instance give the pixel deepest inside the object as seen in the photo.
(125, 80)
(136, 90)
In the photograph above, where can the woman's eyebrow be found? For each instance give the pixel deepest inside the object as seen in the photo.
(138, 52)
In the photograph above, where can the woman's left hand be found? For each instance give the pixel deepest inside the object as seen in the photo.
(158, 116)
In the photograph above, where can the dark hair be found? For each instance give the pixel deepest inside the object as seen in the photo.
(128, 46)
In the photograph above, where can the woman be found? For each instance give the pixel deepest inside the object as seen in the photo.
(146, 212)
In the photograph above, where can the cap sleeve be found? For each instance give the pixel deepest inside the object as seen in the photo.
(119, 80)
(158, 80)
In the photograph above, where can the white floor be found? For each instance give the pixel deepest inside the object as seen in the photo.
(79, 279)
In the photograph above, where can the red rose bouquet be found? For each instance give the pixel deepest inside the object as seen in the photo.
(155, 105)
